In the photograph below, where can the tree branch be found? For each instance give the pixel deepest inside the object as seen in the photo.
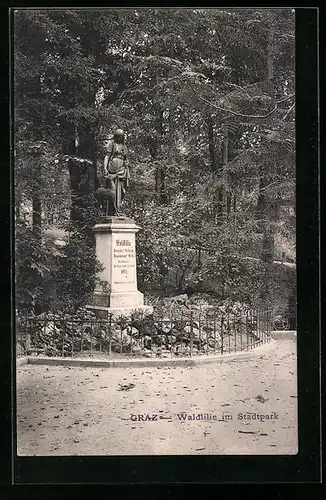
(288, 112)
(235, 112)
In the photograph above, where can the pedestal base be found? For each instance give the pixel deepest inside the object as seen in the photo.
(117, 292)
(132, 300)
(116, 312)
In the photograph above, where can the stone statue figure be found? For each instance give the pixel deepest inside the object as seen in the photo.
(115, 176)
(116, 166)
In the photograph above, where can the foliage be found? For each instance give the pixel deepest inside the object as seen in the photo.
(207, 99)
(31, 267)
(75, 276)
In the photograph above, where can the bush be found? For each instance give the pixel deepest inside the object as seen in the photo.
(75, 275)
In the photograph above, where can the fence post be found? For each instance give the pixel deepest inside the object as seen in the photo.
(72, 336)
(161, 336)
(101, 329)
(200, 326)
(269, 325)
(241, 327)
(191, 331)
(214, 329)
(81, 337)
(182, 330)
(254, 327)
(235, 322)
(110, 333)
(27, 337)
(121, 336)
(228, 330)
(131, 327)
(63, 337)
(207, 336)
(173, 322)
(91, 336)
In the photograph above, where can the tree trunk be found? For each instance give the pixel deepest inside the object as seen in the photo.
(266, 211)
(211, 143)
(37, 214)
(226, 176)
(87, 150)
(160, 182)
(37, 222)
(80, 173)
(216, 164)
(80, 146)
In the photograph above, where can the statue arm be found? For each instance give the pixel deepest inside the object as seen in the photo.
(125, 157)
(105, 164)
(108, 153)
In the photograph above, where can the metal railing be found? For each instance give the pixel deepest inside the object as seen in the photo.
(194, 333)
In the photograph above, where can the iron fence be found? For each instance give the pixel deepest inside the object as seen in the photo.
(194, 333)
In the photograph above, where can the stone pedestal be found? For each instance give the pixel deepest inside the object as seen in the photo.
(116, 250)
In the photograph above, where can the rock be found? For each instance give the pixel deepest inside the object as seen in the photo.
(164, 326)
(136, 350)
(126, 387)
(167, 327)
(180, 299)
(159, 339)
(147, 342)
(212, 343)
(121, 337)
(145, 327)
(161, 351)
(50, 329)
(130, 330)
(193, 332)
(176, 333)
(182, 350)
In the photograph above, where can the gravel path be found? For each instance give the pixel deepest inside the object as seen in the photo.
(83, 411)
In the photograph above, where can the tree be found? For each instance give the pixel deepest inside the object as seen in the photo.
(206, 98)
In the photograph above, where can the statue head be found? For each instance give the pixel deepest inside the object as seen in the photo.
(119, 136)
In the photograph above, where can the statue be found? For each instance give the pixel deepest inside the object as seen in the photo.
(115, 173)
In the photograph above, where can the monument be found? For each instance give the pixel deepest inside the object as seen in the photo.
(117, 291)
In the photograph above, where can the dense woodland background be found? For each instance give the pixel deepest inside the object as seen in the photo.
(206, 97)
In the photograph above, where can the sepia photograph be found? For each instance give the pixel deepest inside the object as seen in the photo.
(154, 179)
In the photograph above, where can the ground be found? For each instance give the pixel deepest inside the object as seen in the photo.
(83, 411)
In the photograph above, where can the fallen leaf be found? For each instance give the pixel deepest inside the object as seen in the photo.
(260, 398)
